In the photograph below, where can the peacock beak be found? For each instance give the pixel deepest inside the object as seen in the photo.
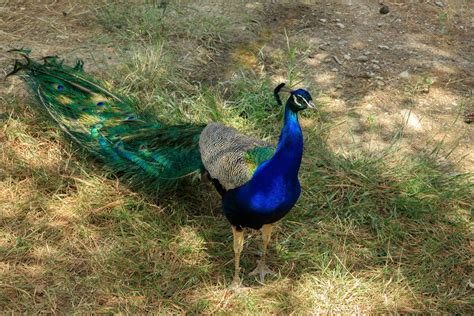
(311, 105)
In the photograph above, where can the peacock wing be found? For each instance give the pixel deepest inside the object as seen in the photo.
(230, 157)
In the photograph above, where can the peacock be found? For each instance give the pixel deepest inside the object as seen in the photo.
(258, 183)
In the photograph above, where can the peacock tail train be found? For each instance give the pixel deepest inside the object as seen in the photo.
(151, 155)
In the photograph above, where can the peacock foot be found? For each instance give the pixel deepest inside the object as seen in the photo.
(262, 270)
(236, 283)
(237, 287)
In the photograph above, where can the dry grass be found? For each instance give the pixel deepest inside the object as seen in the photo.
(374, 231)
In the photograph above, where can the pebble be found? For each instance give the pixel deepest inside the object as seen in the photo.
(376, 67)
(375, 61)
(439, 4)
(380, 24)
(404, 74)
(384, 47)
(384, 9)
(380, 83)
(340, 25)
(362, 58)
(370, 74)
(347, 57)
(411, 120)
(379, 78)
(323, 20)
(342, 42)
(334, 69)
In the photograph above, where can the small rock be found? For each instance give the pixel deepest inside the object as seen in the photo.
(337, 20)
(340, 25)
(376, 67)
(334, 69)
(411, 120)
(347, 57)
(380, 83)
(404, 74)
(370, 74)
(384, 47)
(339, 86)
(342, 42)
(368, 53)
(439, 4)
(379, 24)
(384, 9)
(375, 61)
(323, 20)
(362, 58)
(379, 78)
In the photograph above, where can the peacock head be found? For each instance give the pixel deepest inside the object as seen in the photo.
(299, 99)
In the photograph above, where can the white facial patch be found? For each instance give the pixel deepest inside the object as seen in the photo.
(307, 103)
(296, 100)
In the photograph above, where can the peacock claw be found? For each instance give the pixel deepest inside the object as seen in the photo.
(237, 287)
(262, 270)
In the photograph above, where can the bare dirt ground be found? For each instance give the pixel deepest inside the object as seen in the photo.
(413, 65)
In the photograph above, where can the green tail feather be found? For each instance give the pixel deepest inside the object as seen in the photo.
(152, 155)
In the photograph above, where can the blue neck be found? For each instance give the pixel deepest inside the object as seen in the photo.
(290, 145)
(274, 188)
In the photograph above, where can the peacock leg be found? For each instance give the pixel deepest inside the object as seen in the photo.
(262, 268)
(238, 246)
